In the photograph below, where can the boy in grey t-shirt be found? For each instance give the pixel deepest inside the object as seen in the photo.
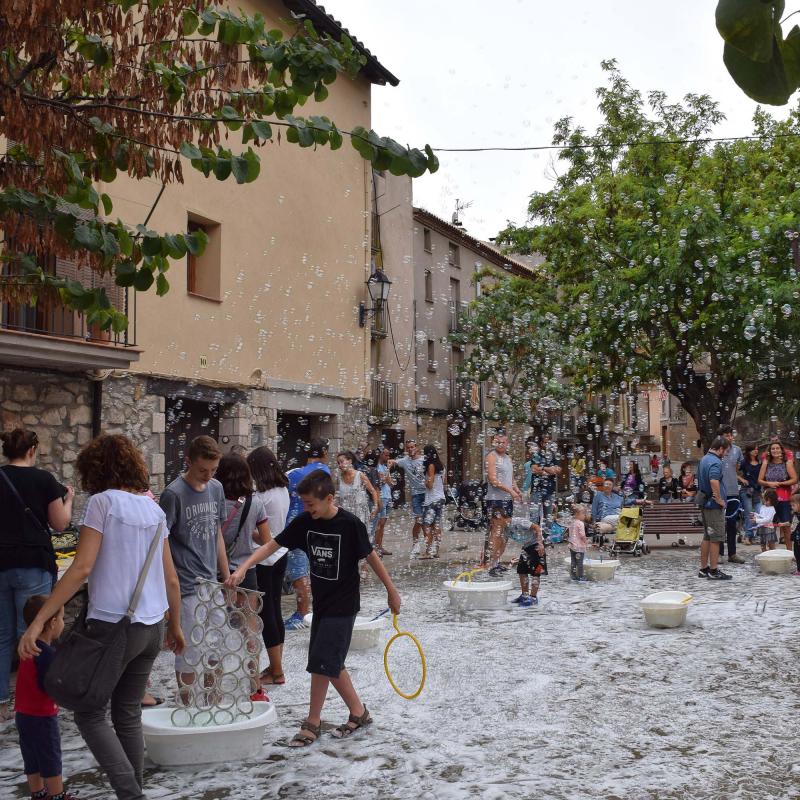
(194, 505)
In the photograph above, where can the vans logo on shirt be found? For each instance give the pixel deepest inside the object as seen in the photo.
(324, 550)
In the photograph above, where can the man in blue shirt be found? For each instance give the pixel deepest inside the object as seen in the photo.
(606, 507)
(711, 483)
(297, 566)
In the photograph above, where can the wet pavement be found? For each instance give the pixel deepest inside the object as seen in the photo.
(575, 699)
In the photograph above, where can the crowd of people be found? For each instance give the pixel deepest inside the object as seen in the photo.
(235, 518)
(241, 519)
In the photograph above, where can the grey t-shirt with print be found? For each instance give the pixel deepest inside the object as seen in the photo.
(193, 519)
(414, 469)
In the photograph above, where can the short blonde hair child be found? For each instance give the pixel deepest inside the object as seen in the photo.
(579, 508)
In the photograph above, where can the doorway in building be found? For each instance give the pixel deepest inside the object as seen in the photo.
(294, 434)
(186, 419)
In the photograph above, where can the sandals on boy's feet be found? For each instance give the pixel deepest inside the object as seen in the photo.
(302, 739)
(352, 725)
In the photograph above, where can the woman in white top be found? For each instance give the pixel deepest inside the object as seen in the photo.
(119, 525)
(271, 491)
(434, 501)
(353, 489)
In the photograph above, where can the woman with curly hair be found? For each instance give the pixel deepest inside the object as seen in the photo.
(119, 525)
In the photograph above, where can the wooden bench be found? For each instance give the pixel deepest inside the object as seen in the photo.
(672, 525)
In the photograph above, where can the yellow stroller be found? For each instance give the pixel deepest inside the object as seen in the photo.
(629, 538)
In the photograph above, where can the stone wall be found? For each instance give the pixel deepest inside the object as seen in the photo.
(129, 409)
(55, 405)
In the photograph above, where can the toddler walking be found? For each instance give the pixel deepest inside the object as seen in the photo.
(532, 562)
(577, 542)
(763, 519)
(36, 713)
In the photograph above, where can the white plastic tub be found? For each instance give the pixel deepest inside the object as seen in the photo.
(776, 562)
(170, 746)
(596, 570)
(666, 609)
(478, 595)
(367, 632)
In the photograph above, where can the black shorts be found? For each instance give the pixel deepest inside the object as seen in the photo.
(40, 743)
(531, 563)
(328, 645)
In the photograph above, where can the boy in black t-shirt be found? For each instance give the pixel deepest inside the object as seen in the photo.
(335, 541)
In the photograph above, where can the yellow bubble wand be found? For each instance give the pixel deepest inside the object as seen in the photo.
(399, 635)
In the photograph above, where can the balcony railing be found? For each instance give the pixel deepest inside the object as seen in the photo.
(458, 312)
(383, 410)
(50, 318)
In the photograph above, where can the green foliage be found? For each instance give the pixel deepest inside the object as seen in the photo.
(764, 63)
(77, 83)
(673, 262)
(516, 343)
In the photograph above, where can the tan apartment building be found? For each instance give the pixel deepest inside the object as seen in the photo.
(446, 259)
(257, 341)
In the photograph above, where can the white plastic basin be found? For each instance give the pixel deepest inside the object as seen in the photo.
(174, 747)
(666, 609)
(776, 562)
(367, 633)
(596, 570)
(478, 595)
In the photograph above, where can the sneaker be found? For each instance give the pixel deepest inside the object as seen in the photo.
(582, 580)
(496, 572)
(519, 599)
(534, 601)
(735, 559)
(416, 549)
(719, 575)
(434, 551)
(294, 623)
(259, 697)
(526, 602)
(703, 572)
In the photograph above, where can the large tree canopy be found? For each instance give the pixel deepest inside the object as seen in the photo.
(672, 256)
(516, 341)
(92, 89)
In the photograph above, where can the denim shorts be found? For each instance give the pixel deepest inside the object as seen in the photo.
(384, 512)
(432, 514)
(418, 505)
(297, 566)
(500, 508)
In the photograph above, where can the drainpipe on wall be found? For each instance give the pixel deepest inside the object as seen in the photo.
(97, 407)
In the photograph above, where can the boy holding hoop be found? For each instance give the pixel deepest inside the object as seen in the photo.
(335, 541)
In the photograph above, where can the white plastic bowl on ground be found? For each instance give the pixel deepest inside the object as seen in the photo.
(596, 570)
(666, 609)
(367, 632)
(478, 595)
(170, 746)
(776, 562)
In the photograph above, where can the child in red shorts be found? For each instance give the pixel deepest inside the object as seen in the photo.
(37, 714)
